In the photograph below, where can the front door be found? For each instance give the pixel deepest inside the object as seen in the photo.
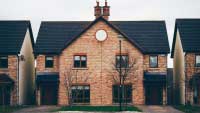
(154, 95)
(49, 94)
(4, 95)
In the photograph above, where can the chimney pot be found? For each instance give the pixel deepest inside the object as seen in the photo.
(106, 10)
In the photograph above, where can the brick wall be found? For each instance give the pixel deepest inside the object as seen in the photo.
(41, 64)
(162, 64)
(12, 72)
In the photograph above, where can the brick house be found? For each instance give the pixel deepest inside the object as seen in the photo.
(90, 47)
(185, 53)
(16, 63)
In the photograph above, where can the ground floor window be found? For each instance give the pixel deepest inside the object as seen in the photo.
(126, 95)
(81, 94)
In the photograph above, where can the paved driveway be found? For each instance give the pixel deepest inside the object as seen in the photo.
(158, 109)
(38, 109)
(145, 109)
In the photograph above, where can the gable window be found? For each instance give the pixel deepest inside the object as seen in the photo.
(3, 62)
(197, 60)
(153, 61)
(49, 62)
(81, 94)
(124, 61)
(80, 61)
(126, 95)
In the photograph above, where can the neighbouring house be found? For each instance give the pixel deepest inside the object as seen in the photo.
(16, 63)
(89, 48)
(186, 56)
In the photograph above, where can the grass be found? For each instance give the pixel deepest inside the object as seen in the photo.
(9, 109)
(188, 108)
(96, 108)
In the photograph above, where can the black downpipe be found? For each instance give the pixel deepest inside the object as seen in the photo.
(18, 79)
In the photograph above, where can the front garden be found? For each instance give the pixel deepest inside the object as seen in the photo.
(188, 108)
(9, 109)
(97, 108)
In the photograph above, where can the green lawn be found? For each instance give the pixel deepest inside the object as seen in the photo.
(9, 109)
(96, 108)
(188, 108)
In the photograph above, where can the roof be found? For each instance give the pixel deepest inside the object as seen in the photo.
(189, 30)
(147, 36)
(5, 79)
(12, 34)
(47, 77)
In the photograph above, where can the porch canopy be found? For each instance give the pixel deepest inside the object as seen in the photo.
(5, 79)
(47, 78)
(155, 78)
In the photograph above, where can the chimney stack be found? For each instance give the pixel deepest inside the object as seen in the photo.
(102, 11)
(106, 10)
(97, 10)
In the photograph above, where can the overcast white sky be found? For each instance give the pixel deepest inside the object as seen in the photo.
(68, 10)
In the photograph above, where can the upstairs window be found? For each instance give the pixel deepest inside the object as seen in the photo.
(3, 62)
(80, 61)
(49, 62)
(197, 60)
(153, 61)
(124, 61)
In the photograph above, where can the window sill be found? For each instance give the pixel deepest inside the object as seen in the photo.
(81, 103)
(122, 68)
(153, 67)
(129, 103)
(80, 68)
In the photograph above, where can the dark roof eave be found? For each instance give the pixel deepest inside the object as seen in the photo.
(9, 53)
(46, 53)
(166, 52)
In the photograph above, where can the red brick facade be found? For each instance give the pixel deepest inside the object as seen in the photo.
(100, 56)
(190, 71)
(12, 72)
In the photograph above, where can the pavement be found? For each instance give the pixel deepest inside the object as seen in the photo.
(158, 109)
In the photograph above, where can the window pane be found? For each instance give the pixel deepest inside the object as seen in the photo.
(77, 64)
(153, 61)
(83, 63)
(77, 58)
(3, 62)
(198, 60)
(49, 58)
(83, 58)
(49, 62)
